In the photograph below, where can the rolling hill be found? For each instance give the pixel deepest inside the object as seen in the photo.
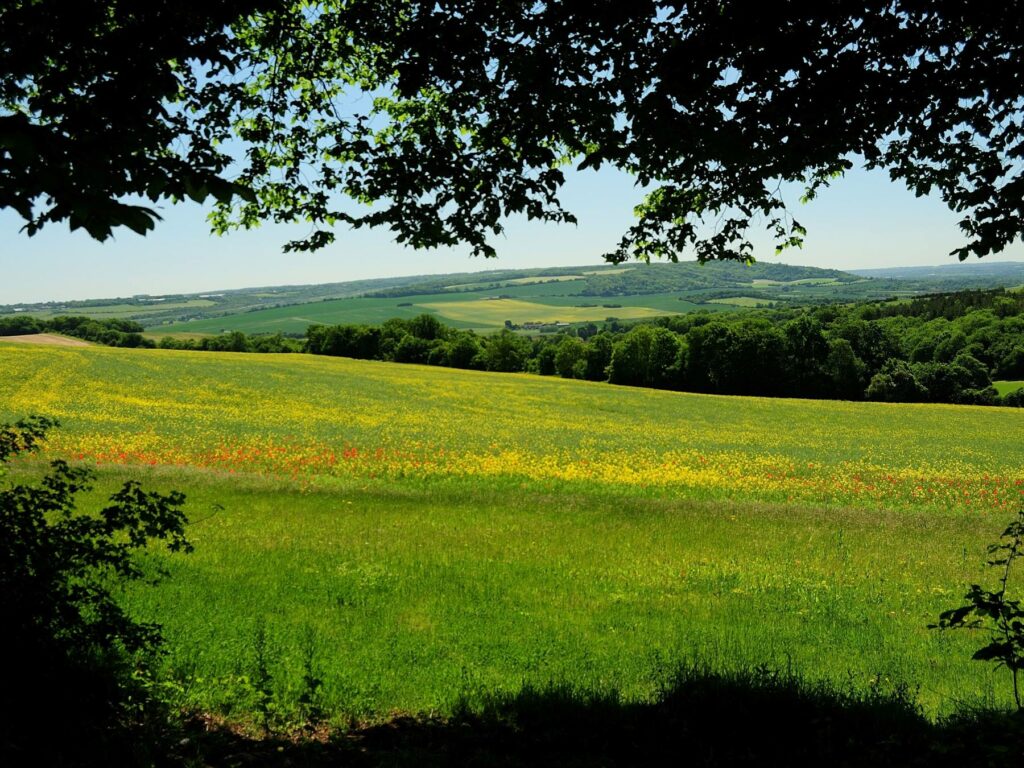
(485, 300)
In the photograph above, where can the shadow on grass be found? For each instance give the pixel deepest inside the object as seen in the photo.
(700, 720)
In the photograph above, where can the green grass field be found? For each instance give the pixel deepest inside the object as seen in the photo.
(429, 535)
(1006, 387)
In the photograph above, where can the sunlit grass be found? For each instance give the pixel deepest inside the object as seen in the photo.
(1006, 387)
(435, 533)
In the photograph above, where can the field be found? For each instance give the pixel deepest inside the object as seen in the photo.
(1006, 387)
(426, 536)
(494, 312)
(743, 301)
(51, 339)
(481, 311)
(138, 310)
(297, 318)
(484, 301)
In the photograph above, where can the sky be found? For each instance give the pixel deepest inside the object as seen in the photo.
(862, 221)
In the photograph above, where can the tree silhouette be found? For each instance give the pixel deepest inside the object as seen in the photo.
(439, 119)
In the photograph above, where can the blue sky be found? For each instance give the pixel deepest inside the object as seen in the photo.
(864, 220)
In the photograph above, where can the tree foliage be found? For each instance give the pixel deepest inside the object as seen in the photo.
(102, 102)
(439, 119)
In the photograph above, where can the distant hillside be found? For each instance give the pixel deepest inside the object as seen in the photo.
(531, 298)
(954, 276)
(539, 299)
(156, 309)
(637, 279)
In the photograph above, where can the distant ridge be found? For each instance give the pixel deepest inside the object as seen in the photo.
(528, 297)
(980, 271)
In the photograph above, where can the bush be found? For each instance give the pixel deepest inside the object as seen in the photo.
(1014, 399)
(994, 611)
(77, 663)
(19, 325)
(896, 383)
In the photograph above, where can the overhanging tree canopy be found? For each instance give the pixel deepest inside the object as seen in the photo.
(91, 107)
(439, 119)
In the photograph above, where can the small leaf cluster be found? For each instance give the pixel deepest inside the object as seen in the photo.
(994, 611)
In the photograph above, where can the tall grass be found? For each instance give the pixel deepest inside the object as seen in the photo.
(413, 538)
(414, 600)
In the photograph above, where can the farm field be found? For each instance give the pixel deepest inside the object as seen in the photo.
(122, 310)
(428, 535)
(524, 303)
(572, 295)
(52, 339)
(494, 312)
(297, 318)
(743, 301)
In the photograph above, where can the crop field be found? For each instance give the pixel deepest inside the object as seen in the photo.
(454, 309)
(298, 317)
(107, 311)
(744, 301)
(53, 339)
(541, 302)
(421, 536)
(664, 303)
(495, 312)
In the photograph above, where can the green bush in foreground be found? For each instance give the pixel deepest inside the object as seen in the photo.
(994, 611)
(75, 660)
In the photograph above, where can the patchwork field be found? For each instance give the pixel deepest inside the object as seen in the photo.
(113, 309)
(298, 317)
(421, 536)
(494, 312)
(460, 310)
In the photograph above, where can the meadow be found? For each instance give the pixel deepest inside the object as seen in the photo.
(420, 537)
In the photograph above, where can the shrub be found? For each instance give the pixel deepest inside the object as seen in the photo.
(74, 656)
(994, 610)
(1014, 399)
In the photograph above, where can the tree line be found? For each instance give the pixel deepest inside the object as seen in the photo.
(111, 332)
(946, 348)
(236, 341)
